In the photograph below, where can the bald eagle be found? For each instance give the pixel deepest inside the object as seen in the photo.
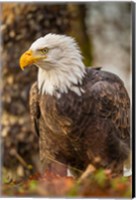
(80, 114)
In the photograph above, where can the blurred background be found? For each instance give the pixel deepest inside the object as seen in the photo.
(103, 31)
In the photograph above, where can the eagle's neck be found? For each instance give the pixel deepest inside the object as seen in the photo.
(61, 79)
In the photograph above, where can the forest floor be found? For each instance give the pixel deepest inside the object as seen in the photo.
(96, 183)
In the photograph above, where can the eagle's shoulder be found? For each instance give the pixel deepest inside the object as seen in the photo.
(96, 85)
(95, 74)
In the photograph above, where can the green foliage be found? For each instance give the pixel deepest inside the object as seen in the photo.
(33, 185)
(100, 177)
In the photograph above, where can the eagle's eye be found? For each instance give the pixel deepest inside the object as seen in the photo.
(44, 50)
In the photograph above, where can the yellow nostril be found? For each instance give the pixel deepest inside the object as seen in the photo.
(28, 53)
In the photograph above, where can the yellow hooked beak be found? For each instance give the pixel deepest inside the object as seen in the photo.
(28, 58)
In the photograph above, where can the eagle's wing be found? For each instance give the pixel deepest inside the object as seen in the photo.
(34, 108)
(104, 97)
(111, 101)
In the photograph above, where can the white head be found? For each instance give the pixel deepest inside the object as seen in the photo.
(59, 61)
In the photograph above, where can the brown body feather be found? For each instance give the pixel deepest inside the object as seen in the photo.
(75, 130)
